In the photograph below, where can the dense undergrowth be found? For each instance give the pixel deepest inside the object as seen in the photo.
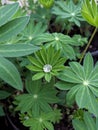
(48, 77)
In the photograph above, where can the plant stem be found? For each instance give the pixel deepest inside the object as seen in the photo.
(90, 40)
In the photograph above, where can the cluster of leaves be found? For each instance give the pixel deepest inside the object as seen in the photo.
(85, 121)
(83, 85)
(68, 11)
(11, 26)
(36, 103)
(65, 43)
(44, 63)
(48, 49)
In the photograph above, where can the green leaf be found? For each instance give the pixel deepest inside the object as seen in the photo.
(38, 99)
(88, 60)
(1, 111)
(12, 28)
(38, 76)
(85, 99)
(69, 11)
(4, 94)
(90, 12)
(59, 41)
(43, 121)
(43, 54)
(97, 123)
(77, 69)
(9, 74)
(48, 125)
(48, 77)
(92, 103)
(34, 68)
(68, 51)
(94, 90)
(63, 85)
(70, 97)
(81, 97)
(29, 82)
(32, 31)
(35, 62)
(16, 50)
(93, 76)
(79, 125)
(69, 76)
(7, 11)
(89, 121)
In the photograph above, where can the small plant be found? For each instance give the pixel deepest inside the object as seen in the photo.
(44, 63)
(84, 84)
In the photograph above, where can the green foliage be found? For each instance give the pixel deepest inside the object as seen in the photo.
(90, 12)
(38, 98)
(17, 50)
(68, 10)
(50, 32)
(47, 3)
(41, 15)
(12, 28)
(32, 30)
(43, 121)
(84, 79)
(9, 28)
(7, 12)
(4, 94)
(87, 123)
(10, 74)
(60, 41)
(1, 111)
(43, 63)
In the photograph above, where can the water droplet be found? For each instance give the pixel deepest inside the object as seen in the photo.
(73, 14)
(86, 83)
(35, 96)
(47, 68)
(40, 120)
(56, 38)
(30, 37)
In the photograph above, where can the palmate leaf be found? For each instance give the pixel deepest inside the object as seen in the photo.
(38, 99)
(32, 30)
(68, 10)
(44, 65)
(59, 41)
(43, 121)
(7, 11)
(85, 83)
(12, 28)
(10, 74)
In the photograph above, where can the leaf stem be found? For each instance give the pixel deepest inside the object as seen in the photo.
(89, 42)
